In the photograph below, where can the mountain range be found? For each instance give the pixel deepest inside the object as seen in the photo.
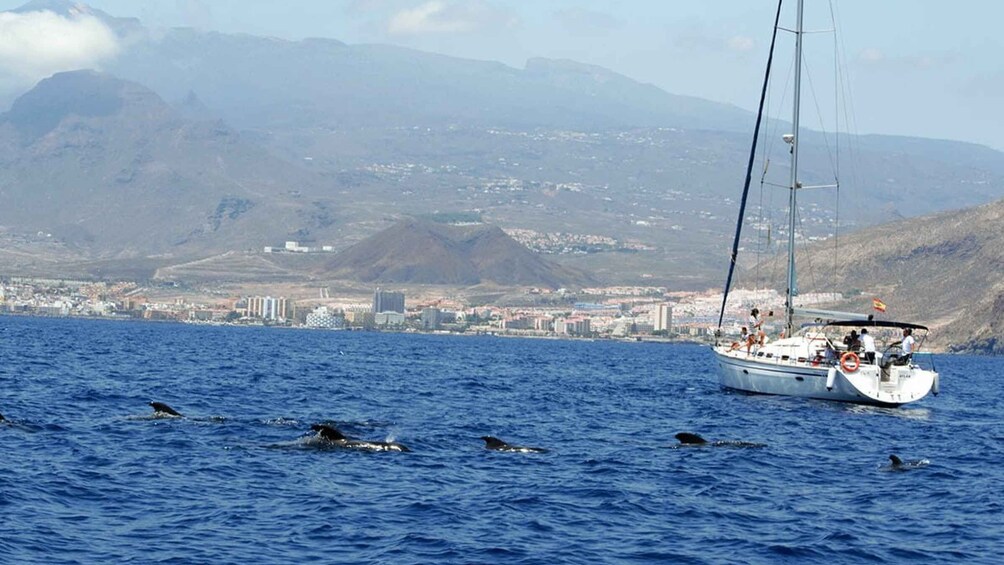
(108, 168)
(193, 150)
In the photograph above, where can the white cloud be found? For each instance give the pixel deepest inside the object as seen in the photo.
(871, 55)
(583, 21)
(34, 45)
(914, 62)
(439, 16)
(741, 43)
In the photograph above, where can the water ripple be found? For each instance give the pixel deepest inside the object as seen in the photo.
(89, 475)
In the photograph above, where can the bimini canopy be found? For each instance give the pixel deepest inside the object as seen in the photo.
(874, 324)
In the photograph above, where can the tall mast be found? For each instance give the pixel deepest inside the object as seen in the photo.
(749, 173)
(790, 305)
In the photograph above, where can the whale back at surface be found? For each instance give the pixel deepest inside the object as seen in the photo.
(328, 432)
(495, 444)
(164, 408)
(688, 438)
(338, 439)
(897, 464)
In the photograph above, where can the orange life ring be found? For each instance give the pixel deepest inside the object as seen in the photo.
(850, 362)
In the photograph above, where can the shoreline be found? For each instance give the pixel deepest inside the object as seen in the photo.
(480, 333)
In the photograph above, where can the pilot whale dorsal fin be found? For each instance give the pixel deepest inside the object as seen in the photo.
(164, 408)
(327, 432)
(492, 442)
(687, 438)
(896, 461)
(338, 439)
(495, 444)
(2, 418)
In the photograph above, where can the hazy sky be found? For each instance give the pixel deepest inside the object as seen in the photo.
(929, 68)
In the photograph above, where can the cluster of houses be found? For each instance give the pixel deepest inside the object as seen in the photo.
(626, 312)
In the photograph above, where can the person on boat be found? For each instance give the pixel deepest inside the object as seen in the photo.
(830, 355)
(905, 353)
(907, 345)
(743, 338)
(852, 342)
(756, 327)
(750, 342)
(868, 343)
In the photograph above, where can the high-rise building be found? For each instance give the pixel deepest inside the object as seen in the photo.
(572, 326)
(388, 319)
(256, 306)
(388, 301)
(360, 318)
(268, 308)
(431, 318)
(284, 309)
(663, 317)
(323, 317)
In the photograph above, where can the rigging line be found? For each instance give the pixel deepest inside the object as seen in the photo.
(762, 247)
(853, 139)
(826, 143)
(819, 113)
(777, 122)
(774, 136)
(830, 152)
(749, 168)
(836, 92)
(771, 140)
(759, 234)
(850, 117)
(836, 134)
(836, 238)
(805, 253)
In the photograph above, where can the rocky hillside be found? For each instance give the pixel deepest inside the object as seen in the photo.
(109, 169)
(943, 271)
(421, 252)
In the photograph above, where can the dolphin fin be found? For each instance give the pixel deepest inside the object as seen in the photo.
(164, 408)
(688, 438)
(328, 432)
(494, 442)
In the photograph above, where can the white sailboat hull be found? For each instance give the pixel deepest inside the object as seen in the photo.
(795, 375)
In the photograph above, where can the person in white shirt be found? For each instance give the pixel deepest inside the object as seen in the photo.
(868, 345)
(756, 327)
(908, 343)
(906, 346)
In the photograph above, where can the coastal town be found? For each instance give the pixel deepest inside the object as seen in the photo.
(631, 312)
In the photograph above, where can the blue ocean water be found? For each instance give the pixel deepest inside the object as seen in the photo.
(86, 475)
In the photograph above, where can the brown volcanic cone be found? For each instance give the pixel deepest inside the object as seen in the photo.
(419, 252)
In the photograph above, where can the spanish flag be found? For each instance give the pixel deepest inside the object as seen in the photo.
(878, 305)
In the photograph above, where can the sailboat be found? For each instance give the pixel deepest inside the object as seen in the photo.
(808, 361)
